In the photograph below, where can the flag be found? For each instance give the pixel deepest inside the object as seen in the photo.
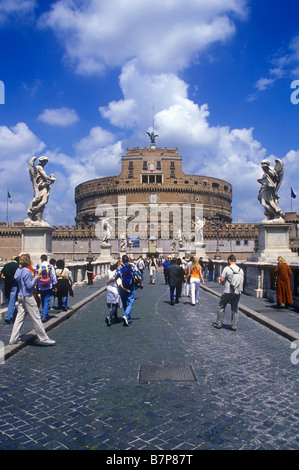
(293, 194)
(9, 197)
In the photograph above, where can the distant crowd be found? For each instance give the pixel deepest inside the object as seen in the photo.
(42, 285)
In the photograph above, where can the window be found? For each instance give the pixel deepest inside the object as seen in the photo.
(131, 165)
(153, 178)
(158, 167)
(144, 167)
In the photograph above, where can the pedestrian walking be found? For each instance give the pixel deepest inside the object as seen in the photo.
(187, 277)
(27, 303)
(89, 270)
(64, 285)
(46, 285)
(196, 278)
(176, 275)
(232, 277)
(165, 265)
(283, 284)
(52, 298)
(128, 274)
(112, 294)
(11, 289)
(153, 268)
(210, 269)
(140, 265)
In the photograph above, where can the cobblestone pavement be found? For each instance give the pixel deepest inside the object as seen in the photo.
(86, 392)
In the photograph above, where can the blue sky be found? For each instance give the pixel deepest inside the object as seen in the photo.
(83, 80)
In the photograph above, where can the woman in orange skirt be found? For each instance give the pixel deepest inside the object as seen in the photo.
(283, 285)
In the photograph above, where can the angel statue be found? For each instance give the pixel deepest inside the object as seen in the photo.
(152, 137)
(268, 194)
(41, 186)
(106, 229)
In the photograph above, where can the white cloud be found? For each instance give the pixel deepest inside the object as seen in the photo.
(163, 36)
(59, 117)
(9, 8)
(283, 63)
(17, 145)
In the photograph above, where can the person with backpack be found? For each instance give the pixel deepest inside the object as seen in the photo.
(46, 282)
(232, 277)
(129, 274)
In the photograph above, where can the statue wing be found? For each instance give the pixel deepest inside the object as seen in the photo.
(32, 173)
(279, 168)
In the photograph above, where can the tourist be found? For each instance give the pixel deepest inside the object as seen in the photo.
(90, 276)
(153, 268)
(176, 275)
(165, 265)
(210, 269)
(187, 275)
(27, 304)
(283, 284)
(11, 289)
(52, 299)
(127, 273)
(64, 284)
(232, 277)
(112, 294)
(140, 265)
(196, 277)
(46, 285)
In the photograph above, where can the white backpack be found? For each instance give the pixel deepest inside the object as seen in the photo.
(236, 284)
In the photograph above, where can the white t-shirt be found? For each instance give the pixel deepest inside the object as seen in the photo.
(227, 274)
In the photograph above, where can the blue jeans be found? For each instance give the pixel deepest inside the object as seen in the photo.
(233, 300)
(127, 300)
(45, 298)
(11, 310)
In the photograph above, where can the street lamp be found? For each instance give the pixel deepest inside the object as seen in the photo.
(217, 222)
(90, 224)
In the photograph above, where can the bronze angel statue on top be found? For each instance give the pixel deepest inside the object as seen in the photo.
(41, 186)
(268, 194)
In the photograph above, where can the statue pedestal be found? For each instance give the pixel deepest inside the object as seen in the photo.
(105, 254)
(182, 252)
(37, 241)
(274, 242)
(200, 250)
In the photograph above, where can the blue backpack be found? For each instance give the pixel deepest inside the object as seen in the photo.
(127, 277)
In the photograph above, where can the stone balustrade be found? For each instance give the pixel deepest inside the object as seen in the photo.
(260, 279)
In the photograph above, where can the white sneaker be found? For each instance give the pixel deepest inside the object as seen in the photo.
(48, 342)
(18, 341)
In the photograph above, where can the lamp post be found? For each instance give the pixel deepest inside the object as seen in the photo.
(217, 222)
(90, 224)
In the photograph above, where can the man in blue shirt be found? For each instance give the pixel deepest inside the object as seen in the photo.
(126, 272)
(164, 268)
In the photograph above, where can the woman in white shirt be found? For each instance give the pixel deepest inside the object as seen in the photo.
(113, 297)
